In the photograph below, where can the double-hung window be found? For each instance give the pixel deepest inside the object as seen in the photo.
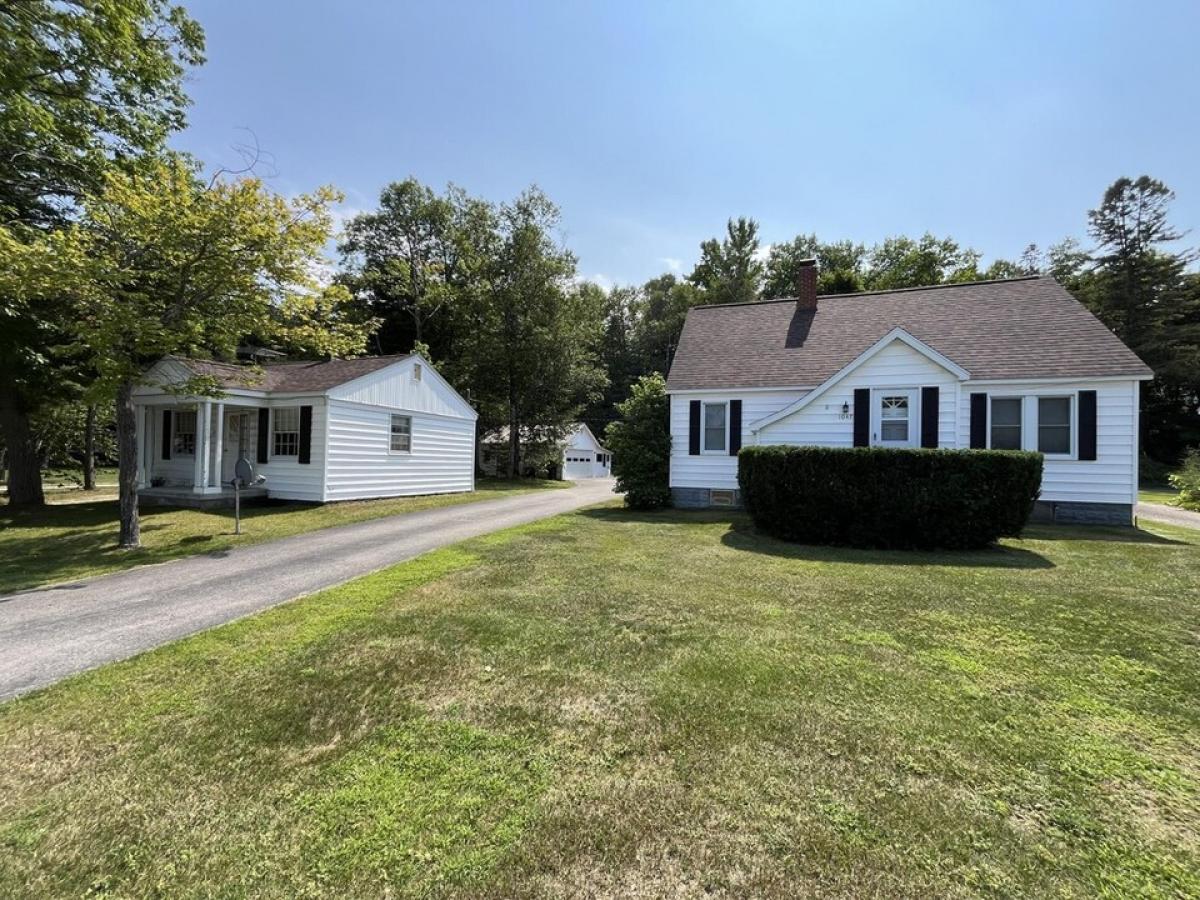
(401, 434)
(285, 431)
(1054, 425)
(715, 428)
(183, 441)
(1006, 423)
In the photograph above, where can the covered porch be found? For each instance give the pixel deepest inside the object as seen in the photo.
(188, 448)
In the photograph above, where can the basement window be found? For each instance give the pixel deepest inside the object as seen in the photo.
(720, 498)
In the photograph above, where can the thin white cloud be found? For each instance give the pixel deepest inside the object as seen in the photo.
(763, 251)
(675, 265)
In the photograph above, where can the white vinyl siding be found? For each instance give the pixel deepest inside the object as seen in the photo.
(828, 421)
(717, 470)
(1111, 476)
(287, 477)
(362, 465)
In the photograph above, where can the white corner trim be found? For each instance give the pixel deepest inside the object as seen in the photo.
(896, 334)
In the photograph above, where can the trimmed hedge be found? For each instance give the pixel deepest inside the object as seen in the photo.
(887, 498)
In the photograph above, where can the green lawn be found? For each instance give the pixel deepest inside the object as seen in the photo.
(76, 540)
(612, 704)
(1158, 494)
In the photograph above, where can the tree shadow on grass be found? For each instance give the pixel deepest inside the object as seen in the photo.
(741, 535)
(1092, 533)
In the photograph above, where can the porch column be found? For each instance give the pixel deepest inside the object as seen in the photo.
(139, 437)
(217, 446)
(203, 446)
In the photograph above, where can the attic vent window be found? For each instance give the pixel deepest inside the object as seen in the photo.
(417, 372)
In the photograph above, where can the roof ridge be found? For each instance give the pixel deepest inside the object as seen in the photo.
(903, 290)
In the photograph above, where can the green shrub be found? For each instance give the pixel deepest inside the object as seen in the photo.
(1187, 481)
(641, 445)
(876, 497)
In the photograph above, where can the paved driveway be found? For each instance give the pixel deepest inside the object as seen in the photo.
(1172, 515)
(49, 633)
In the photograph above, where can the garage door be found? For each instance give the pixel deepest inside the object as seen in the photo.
(578, 464)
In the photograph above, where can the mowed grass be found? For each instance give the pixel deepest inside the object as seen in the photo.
(613, 704)
(73, 540)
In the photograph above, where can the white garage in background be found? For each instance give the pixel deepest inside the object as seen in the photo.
(584, 456)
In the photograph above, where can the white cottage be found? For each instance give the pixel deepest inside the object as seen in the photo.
(343, 429)
(1013, 364)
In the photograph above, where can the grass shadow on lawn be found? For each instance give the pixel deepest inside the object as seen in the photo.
(743, 536)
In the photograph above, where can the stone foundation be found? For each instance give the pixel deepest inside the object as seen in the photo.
(706, 498)
(1069, 512)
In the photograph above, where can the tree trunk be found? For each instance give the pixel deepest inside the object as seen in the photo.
(127, 471)
(24, 465)
(89, 449)
(514, 443)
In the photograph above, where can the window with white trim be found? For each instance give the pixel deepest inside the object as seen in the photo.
(416, 371)
(715, 430)
(1006, 423)
(401, 434)
(285, 431)
(1054, 425)
(183, 439)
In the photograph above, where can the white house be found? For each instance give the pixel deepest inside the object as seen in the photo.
(579, 455)
(343, 429)
(1014, 364)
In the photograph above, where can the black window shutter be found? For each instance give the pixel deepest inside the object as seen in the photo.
(304, 456)
(735, 427)
(264, 429)
(166, 435)
(862, 417)
(978, 421)
(1087, 424)
(929, 416)
(694, 428)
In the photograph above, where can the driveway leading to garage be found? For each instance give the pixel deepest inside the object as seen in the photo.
(1172, 515)
(50, 633)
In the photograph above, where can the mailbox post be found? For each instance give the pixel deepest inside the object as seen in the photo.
(243, 476)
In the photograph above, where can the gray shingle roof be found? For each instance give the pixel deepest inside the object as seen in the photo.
(291, 377)
(1018, 328)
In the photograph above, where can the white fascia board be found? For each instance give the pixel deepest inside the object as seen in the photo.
(1057, 379)
(896, 334)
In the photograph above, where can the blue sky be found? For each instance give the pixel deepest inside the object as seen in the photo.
(651, 123)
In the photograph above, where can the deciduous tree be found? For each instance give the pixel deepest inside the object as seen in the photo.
(84, 86)
(164, 263)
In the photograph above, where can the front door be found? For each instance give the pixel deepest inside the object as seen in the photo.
(236, 443)
(895, 415)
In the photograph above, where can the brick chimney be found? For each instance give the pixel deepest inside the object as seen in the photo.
(806, 284)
